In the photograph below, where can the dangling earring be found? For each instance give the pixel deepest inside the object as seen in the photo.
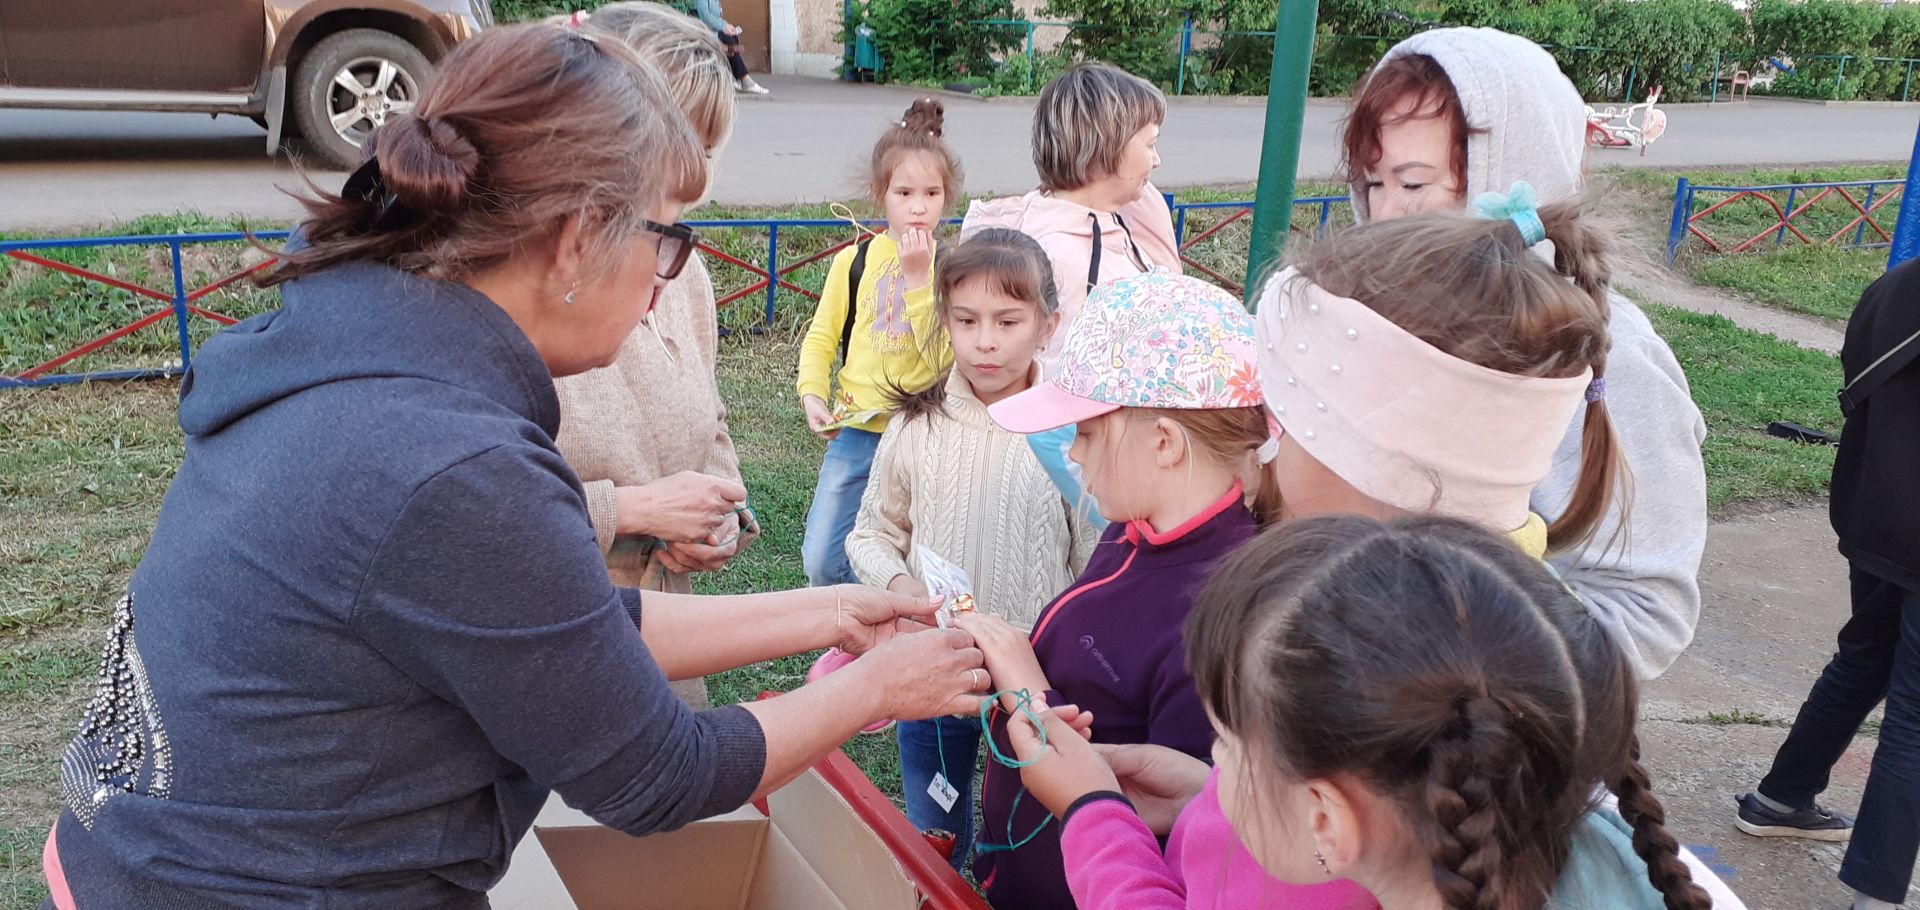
(1322, 858)
(570, 293)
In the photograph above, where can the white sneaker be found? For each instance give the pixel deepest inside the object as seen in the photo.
(747, 86)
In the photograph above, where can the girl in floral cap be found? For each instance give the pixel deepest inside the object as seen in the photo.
(1159, 374)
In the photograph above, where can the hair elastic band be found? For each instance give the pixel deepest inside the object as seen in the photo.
(1270, 449)
(1597, 389)
(843, 213)
(1520, 205)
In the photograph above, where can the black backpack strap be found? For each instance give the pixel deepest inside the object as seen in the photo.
(1139, 258)
(1093, 262)
(853, 295)
(1877, 373)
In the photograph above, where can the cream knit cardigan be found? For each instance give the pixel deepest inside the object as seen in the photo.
(656, 411)
(973, 493)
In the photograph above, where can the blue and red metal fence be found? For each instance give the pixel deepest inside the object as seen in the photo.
(1866, 199)
(182, 304)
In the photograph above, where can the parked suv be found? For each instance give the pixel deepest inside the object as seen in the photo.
(328, 70)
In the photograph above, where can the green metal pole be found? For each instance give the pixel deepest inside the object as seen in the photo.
(1715, 97)
(1029, 57)
(1280, 147)
(1186, 39)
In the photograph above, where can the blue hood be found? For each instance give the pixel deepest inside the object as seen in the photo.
(366, 321)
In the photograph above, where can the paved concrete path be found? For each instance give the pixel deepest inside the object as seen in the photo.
(63, 171)
(1673, 289)
(1775, 594)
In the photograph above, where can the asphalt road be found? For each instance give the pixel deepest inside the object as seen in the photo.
(70, 171)
(62, 171)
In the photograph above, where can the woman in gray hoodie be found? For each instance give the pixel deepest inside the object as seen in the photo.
(373, 630)
(1453, 113)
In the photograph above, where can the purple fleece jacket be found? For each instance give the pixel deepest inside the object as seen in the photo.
(1112, 645)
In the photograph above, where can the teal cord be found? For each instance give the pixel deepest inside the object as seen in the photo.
(1023, 703)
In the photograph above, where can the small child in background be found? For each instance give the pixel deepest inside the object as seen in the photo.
(949, 480)
(1158, 373)
(875, 314)
(1418, 706)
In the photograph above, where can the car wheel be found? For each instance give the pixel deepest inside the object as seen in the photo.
(350, 84)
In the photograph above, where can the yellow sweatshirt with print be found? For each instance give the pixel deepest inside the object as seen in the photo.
(893, 340)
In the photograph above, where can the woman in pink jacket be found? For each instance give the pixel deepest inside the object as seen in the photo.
(1095, 212)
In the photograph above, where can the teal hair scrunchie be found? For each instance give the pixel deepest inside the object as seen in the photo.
(1520, 204)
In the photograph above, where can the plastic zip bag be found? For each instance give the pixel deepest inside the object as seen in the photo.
(946, 580)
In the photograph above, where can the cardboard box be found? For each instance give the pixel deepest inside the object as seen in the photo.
(826, 842)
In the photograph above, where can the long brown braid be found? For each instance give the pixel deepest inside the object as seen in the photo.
(1450, 673)
(1612, 708)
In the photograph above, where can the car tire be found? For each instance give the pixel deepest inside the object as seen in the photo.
(334, 119)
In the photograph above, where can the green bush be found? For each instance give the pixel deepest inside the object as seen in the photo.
(1018, 75)
(1672, 43)
(930, 40)
(1139, 36)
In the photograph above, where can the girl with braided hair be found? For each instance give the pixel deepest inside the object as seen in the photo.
(1416, 705)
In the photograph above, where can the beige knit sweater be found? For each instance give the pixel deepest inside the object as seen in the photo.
(656, 411)
(974, 494)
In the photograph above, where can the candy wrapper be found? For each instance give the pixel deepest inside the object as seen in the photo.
(944, 579)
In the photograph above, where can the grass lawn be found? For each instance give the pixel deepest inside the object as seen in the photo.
(83, 468)
(1742, 380)
(1783, 271)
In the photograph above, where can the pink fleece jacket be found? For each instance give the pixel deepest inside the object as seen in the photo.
(1113, 861)
(1135, 239)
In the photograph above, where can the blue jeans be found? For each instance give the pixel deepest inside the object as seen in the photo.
(836, 502)
(923, 744)
(1878, 658)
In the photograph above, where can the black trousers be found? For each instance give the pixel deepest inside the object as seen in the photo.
(1878, 659)
(739, 63)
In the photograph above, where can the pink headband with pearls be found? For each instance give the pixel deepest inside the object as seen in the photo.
(1402, 421)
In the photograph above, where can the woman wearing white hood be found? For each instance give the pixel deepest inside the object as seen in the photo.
(1453, 113)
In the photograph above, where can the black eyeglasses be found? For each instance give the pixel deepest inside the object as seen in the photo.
(675, 248)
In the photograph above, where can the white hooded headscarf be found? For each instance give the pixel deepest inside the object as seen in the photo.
(1527, 119)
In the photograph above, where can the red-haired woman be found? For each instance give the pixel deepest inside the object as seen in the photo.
(1454, 113)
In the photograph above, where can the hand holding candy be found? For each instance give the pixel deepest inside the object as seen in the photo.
(818, 417)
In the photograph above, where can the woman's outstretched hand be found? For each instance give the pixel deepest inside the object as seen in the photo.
(1010, 656)
(917, 675)
(865, 618)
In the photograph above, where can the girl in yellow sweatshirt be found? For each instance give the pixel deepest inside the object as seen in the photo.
(875, 314)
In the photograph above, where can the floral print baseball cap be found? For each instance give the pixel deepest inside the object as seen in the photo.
(1157, 340)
